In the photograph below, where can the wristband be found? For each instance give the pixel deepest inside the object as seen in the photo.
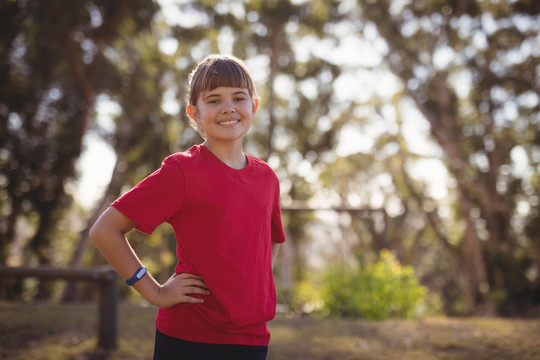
(137, 276)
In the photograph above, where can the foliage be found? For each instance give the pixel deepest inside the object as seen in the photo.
(379, 291)
(464, 67)
(52, 68)
(465, 76)
(362, 103)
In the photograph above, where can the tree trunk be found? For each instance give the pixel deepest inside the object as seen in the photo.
(113, 189)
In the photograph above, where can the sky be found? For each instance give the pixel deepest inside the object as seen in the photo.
(97, 159)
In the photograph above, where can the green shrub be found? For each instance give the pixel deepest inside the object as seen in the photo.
(383, 290)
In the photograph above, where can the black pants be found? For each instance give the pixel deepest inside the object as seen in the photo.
(170, 348)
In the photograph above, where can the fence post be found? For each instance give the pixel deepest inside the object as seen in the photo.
(107, 280)
(108, 310)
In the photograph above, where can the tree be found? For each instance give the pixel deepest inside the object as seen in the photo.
(470, 69)
(52, 69)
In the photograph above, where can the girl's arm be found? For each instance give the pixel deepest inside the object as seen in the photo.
(275, 251)
(108, 234)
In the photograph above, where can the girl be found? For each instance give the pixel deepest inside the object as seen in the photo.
(223, 206)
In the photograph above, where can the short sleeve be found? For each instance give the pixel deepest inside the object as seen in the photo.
(156, 198)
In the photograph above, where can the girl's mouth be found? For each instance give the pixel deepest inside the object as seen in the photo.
(228, 123)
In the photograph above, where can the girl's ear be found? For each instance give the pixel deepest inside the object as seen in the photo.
(193, 112)
(255, 106)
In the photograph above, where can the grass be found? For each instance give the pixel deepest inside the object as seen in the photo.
(434, 338)
(68, 332)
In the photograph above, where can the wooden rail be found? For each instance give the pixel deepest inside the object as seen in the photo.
(107, 280)
(363, 210)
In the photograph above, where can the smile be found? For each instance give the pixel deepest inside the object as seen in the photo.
(229, 122)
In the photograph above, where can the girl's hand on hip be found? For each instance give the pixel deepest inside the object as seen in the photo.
(178, 289)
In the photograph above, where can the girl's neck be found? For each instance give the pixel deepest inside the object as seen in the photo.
(230, 154)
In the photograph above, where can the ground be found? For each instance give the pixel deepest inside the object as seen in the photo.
(45, 331)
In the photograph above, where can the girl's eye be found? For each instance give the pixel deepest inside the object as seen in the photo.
(239, 99)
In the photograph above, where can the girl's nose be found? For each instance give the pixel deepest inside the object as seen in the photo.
(228, 106)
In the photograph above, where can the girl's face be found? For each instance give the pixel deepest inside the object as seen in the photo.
(225, 113)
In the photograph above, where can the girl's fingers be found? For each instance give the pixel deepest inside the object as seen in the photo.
(197, 290)
(192, 300)
(184, 284)
(192, 280)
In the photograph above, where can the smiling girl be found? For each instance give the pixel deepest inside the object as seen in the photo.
(223, 206)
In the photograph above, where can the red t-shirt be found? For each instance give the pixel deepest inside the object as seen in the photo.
(225, 221)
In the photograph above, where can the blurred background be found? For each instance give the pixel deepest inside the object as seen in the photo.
(406, 136)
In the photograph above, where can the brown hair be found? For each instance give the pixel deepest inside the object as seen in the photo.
(215, 71)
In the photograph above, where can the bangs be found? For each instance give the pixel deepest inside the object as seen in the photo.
(225, 74)
(220, 71)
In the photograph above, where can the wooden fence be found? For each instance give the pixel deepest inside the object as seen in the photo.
(107, 281)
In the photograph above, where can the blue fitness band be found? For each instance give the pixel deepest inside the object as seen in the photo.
(138, 275)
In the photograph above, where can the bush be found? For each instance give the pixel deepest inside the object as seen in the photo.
(385, 289)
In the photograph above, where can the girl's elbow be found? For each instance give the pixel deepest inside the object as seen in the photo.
(95, 233)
